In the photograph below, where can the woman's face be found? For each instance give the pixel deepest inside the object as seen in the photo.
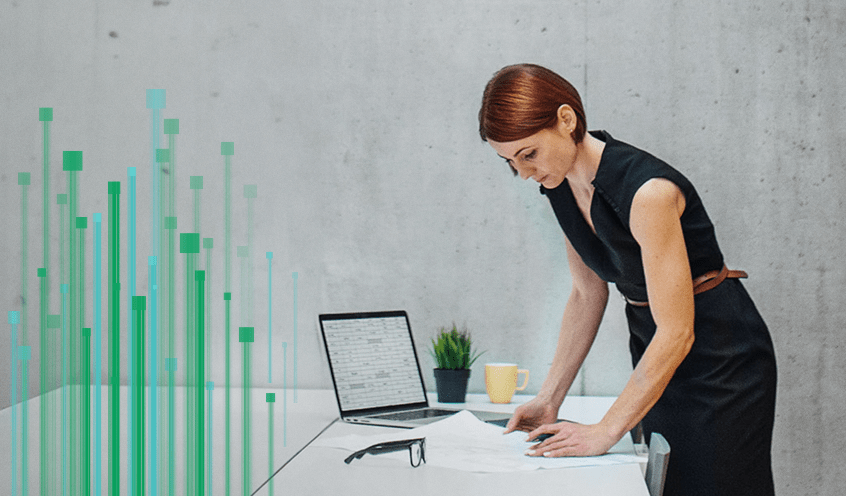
(546, 156)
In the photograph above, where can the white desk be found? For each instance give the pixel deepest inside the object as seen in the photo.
(319, 470)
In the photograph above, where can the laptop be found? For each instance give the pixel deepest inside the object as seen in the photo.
(376, 373)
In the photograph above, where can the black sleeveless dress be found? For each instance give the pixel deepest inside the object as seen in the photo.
(718, 410)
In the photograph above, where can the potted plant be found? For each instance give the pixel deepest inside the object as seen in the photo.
(453, 355)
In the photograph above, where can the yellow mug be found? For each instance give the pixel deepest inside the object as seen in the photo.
(501, 381)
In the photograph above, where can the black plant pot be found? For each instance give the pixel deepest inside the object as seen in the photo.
(451, 385)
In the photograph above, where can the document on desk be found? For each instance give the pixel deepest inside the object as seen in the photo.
(463, 442)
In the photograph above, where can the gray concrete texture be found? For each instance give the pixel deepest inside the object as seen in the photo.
(357, 120)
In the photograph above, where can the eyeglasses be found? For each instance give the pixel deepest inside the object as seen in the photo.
(416, 450)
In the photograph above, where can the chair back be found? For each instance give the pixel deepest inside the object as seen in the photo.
(656, 466)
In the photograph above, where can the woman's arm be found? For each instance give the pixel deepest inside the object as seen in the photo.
(579, 325)
(655, 224)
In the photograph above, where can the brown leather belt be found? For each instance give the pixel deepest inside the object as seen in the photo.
(706, 281)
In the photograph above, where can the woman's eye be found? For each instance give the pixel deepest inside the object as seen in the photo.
(531, 154)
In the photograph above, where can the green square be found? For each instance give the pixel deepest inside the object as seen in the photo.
(45, 114)
(81, 222)
(86, 332)
(196, 182)
(189, 242)
(271, 397)
(243, 251)
(170, 223)
(171, 126)
(227, 296)
(42, 272)
(62, 198)
(246, 334)
(250, 191)
(54, 322)
(139, 302)
(114, 187)
(208, 243)
(162, 155)
(24, 178)
(227, 148)
(72, 161)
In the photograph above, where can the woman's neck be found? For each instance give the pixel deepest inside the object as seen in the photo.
(588, 156)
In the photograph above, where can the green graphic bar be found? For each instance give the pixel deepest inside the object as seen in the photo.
(139, 307)
(271, 401)
(43, 379)
(45, 116)
(98, 356)
(227, 297)
(24, 355)
(85, 455)
(200, 278)
(114, 338)
(72, 164)
(189, 244)
(227, 149)
(246, 335)
(83, 381)
(130, 321)
(14, 320)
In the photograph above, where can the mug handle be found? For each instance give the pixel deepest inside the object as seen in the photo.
(525, 379)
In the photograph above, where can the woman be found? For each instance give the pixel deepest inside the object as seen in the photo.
(704, 368)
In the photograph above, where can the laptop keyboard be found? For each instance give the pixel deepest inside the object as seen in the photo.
(415, 414)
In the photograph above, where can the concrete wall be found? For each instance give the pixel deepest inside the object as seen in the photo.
(357, 120)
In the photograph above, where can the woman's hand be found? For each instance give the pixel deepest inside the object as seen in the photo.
(531, 415)
(571, 439)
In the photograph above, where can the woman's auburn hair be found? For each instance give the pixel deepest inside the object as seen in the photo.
(522, 99)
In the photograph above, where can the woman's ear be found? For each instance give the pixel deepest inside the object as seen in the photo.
(567, 120)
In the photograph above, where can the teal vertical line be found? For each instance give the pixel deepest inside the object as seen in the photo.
(130, 324)
(114, 338)
(209, 388)
(85, 455)
(153, 379)
(168, 210)
(139, 305)
(227, 297)
(65, 447)
(269, 317)
(295, 276)
(98, 358)
(200, 277)
(14, 320)
(42, 362)
(271, 438)
(170, 365)
(24, 354)
(83, 385)
(45, 115)
(24, 179)
(246, 335)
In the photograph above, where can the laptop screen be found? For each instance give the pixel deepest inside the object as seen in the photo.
(372, 360)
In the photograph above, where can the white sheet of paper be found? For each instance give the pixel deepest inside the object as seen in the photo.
(463, 442)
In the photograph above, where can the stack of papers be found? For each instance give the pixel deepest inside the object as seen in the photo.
(463, 442)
